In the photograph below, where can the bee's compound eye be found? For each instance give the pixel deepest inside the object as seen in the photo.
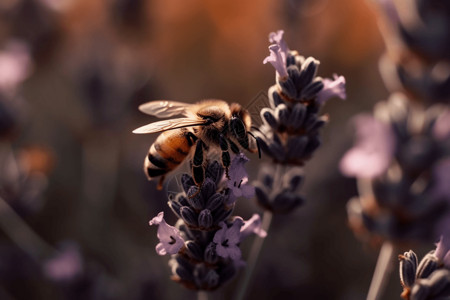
(238, 128)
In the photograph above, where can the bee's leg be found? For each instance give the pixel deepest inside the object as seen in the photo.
(233, 146)
(198, 171)
(160, 183)
(257, 145)
(225, 154)
(191, 138)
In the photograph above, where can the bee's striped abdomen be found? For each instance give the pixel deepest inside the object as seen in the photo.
(167, 152)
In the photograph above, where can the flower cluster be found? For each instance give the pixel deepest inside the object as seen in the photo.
(422, 37)
(400, 157)
(429, 279)
(290, 130)
(204, 243)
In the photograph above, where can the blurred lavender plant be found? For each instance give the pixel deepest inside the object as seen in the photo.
(289, 134)
(429, 279)
(400, 158)
(204, 243)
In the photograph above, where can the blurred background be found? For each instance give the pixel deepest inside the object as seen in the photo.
(75, 201)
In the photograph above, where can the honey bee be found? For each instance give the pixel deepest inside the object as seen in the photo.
(209, 123)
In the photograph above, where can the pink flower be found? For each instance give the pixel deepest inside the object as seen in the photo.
(373, 149)
(14, 65)
(332, 88)
(66, 265)
(169, 237)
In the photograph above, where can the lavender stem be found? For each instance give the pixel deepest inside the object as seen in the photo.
(254, 254)
(382, 271)
(21, 233)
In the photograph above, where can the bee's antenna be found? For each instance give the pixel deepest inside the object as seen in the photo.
(257, 144)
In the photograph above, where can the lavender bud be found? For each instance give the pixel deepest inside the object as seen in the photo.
(312, 89)
(194, 198)
(268, 115)
(175, 206)
(211, 279)
(408, 266)
(420, 292)
(309, 68)
(297, 116)
(189, 216)
(194, 250)
(182, 200)
(208, 189)
(211, 254)
(186, 182)
(315, 126)
(222, 215)
(283, 114)
(296, 145)
(181, 269)
(427, 266)
(205, 219)
(440, 283)
(274, 97)
(214, 201)
(313, 144)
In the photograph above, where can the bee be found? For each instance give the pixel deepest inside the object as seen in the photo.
(205, 124)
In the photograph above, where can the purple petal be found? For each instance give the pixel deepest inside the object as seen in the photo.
(170, 237)
(277, 61)
(443, 248)
(277, 38)
(373, 150)
(219, 237)
(157, 220)
(14, 65)
(332, 88)
(252, 225)
(65, 265)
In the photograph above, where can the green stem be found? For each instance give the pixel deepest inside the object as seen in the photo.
(254, 254)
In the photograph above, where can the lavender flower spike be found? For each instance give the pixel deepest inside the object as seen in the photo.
(277, 61)
(443, 250)
(170, 238)
(332, 88)
(238, 183)
(227, 240)
(252, 225)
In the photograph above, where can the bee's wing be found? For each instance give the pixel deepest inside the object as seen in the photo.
(169, 124)
(164, 108)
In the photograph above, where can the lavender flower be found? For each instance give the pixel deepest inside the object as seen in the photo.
(227, 240)
(15, 63)
(277, 60)
(332, 88)
(373, 150)
(66, 265)
(170, 238)
(238, 182)
(405, 164)
(205, 241)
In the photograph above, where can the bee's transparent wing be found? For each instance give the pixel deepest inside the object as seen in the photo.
(168, 124)
(164, 108)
